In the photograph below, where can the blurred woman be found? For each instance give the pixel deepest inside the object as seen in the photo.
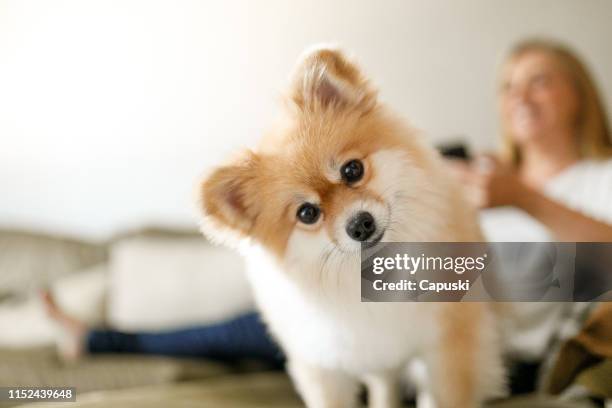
(556, 163)
(553, 178)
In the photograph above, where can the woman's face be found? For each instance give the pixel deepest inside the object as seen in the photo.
(538, 99)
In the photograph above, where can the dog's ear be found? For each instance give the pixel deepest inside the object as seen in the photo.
(326, 78)
(229, 199)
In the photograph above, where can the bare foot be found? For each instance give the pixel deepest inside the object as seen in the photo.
(71, 345)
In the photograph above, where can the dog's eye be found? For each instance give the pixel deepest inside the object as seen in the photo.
(352, 171)
(308, 213)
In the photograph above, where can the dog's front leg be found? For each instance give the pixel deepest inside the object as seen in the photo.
(464, 361)
(421, 379)
(323, 388)
(383, 389)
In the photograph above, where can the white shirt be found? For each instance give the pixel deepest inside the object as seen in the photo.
(585, 187)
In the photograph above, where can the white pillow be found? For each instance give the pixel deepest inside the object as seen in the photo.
(25, 324)
(80, 295)
(159, 283)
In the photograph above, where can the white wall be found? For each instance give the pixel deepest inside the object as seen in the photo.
(109, 110)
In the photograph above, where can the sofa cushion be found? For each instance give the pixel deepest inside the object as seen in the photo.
(80, 295)
(29, 261)
(161, 282)
(83, 295)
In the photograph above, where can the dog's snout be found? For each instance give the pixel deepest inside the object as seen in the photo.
(361, 226)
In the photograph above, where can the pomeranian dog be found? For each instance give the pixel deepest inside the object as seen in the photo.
(341, 171)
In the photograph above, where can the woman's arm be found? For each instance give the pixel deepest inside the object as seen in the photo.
(498, 185)
(566, 224)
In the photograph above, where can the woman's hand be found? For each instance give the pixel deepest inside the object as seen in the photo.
(490, 183)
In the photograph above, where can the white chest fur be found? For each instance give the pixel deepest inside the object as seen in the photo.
(330, 326)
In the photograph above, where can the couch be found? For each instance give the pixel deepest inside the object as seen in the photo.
(89, 277)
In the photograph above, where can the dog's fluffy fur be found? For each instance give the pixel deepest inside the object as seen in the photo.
(306, 278)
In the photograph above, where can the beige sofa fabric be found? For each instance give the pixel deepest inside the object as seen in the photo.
(270, 389)
(29, 261)
(41, 367)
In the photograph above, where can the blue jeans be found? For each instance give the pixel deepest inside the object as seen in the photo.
(244, 337)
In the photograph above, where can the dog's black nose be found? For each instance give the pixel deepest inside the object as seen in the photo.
(361, 226)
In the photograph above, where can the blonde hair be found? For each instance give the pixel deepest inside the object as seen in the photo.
(592, 128)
